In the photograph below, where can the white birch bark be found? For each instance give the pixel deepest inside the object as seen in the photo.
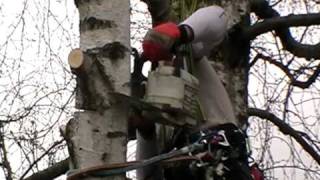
(98, 132)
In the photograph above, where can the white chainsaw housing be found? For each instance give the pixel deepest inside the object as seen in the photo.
(164, 89)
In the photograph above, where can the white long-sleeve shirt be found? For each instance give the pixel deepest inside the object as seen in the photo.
(209, 26)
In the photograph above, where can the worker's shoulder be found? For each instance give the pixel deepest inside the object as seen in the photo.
(211, 9)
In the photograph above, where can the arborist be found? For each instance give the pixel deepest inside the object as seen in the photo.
(205, 29)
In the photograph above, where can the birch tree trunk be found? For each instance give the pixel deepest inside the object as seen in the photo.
(98, 132)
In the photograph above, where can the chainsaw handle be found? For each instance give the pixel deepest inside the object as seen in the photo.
(178, 62)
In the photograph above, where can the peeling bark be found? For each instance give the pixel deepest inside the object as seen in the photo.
(93, 23)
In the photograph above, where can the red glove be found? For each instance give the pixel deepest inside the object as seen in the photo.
(158, 41)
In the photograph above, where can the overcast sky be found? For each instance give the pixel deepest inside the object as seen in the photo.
(40, 33)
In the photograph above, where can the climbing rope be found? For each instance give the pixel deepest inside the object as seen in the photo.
(211, 148)
(120, 168)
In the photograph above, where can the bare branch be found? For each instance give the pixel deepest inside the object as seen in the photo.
(263, 10)
(286, 129)
(286, 70)
(43, 155)
(281, 22)
(4, 156)
(51, 172)
(159, 10)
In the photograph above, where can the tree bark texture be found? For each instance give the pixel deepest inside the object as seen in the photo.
(98, 132)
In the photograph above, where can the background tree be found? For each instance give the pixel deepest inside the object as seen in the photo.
(283, 86)
(37, 90)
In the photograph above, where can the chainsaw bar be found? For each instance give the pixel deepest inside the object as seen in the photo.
(164, 115)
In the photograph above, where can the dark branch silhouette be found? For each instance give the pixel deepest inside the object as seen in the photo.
(281, 22)
(294, 81)
(159, 10)
(263, 10)
(42, 156)
(51, 172)
(286, 129)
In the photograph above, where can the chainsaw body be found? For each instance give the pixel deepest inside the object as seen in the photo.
(166, 90)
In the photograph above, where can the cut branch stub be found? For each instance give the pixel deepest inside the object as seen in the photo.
(80, 62)
(88, 78)
(76, 59)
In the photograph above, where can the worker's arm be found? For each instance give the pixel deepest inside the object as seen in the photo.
(214, 99)
(205, 29)
(208, 27)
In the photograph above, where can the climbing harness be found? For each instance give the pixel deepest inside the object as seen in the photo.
(224, 157)
(171, 97)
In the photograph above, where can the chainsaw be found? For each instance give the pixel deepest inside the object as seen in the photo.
(170, 92)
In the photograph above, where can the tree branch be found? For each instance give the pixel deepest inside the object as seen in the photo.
(159, 10)
(286, 70)
(286, 129)
(38, 159)
(4, 156)
(263, 10)
(281, 22)
(51, 172)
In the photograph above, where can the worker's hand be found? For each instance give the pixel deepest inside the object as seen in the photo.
(158, 42)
